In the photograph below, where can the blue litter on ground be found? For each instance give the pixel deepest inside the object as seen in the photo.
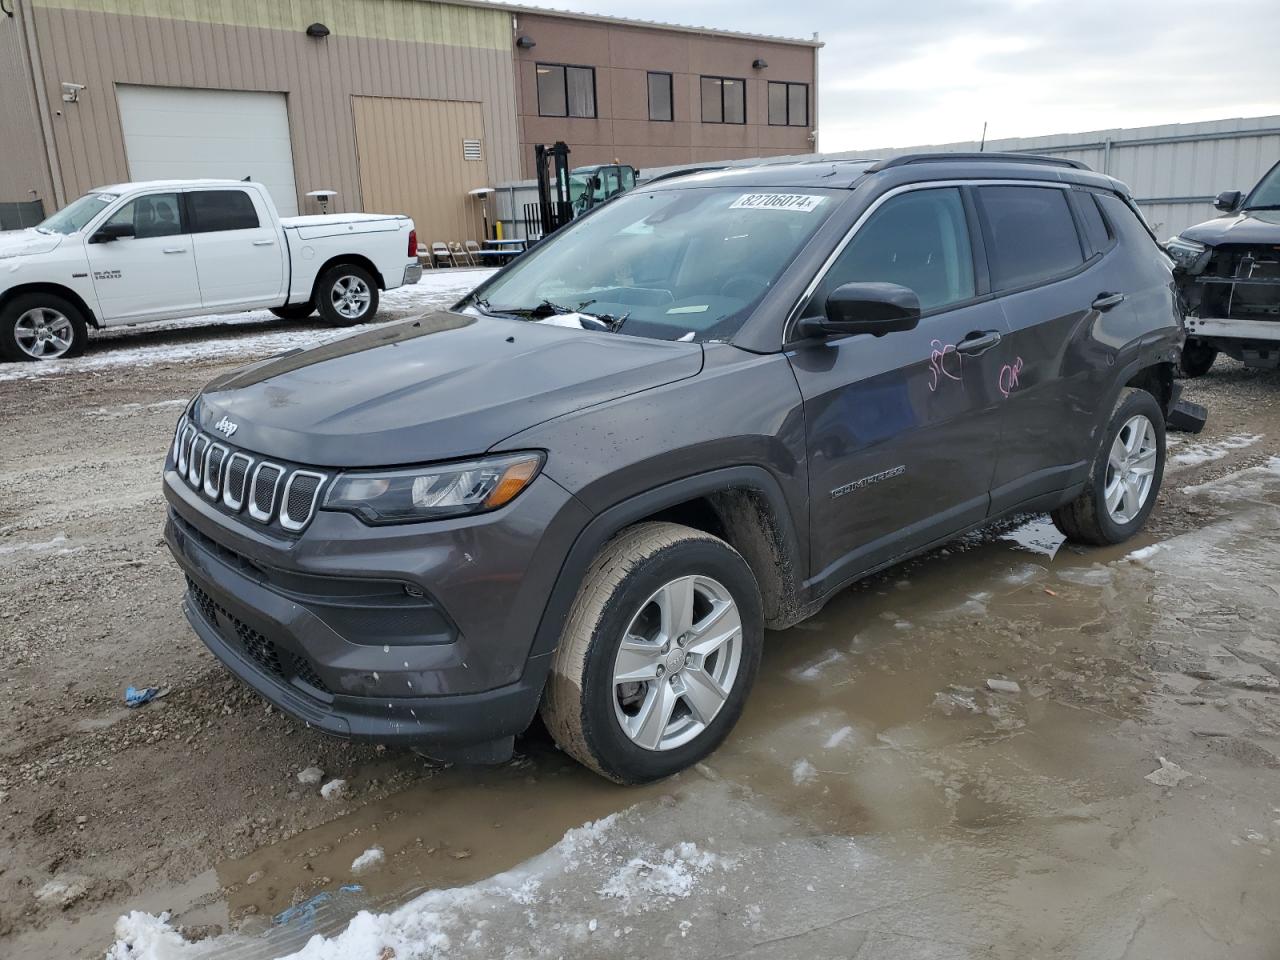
(305, 912)
(133, 697)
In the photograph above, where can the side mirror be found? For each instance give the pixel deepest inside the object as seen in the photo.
(1228, 201)
(874, 308)
(112, 231)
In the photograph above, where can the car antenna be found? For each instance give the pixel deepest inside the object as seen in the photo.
(982, 145)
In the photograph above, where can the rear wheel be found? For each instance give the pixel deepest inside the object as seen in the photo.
(1197, 357)
(658, 655)
(346, 295)
(1125, 479)
(295, 311)
(41, 326)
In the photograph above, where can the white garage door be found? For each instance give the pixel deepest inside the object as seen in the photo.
(173, 133)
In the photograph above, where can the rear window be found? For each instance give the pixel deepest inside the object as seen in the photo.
(1095, 228)
(1030, 234)
(1126, 222)
(216, 210)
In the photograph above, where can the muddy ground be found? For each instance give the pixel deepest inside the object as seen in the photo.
(878, 800)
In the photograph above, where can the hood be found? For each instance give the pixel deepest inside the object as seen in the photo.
(1247, 226)
(441, 387)
(27, 243)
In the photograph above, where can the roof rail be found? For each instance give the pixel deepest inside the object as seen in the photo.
(909, 158)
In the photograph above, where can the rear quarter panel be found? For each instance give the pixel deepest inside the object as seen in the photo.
(383, 241)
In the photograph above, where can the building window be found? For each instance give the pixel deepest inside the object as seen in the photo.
(661, 106)
(724, 100)
(788, 104)
(565, 91)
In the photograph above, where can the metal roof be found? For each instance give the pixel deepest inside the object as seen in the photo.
(630, 22)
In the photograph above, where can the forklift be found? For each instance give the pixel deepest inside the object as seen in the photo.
(564, 194)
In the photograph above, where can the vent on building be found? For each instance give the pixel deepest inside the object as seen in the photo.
(471, 150)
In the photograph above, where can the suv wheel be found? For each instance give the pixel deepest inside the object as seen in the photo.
(348, 295)
(1126, 476)
(41, 326)
(1197, 357)
(658, 655)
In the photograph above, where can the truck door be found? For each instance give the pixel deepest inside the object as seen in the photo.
(901, 429)
(150, 271)
(239, 257)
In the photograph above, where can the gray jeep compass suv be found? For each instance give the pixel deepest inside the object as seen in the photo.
(694, 414)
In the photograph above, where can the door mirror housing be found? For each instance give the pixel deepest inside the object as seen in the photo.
(854, 308)
(1228, 201)
(112, 231)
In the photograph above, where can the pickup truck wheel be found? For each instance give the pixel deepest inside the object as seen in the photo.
(347, 295)
(659, 653)
(1125, 479)
(41, 326)
(295, 311)
(1197, 357)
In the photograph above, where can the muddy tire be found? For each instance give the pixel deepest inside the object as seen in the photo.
(1125, 479)
(295, 311)
(41, 326)
(1197, 358)
(688, 608)
(346, 294)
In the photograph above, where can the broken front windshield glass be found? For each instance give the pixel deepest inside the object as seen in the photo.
(686, 264)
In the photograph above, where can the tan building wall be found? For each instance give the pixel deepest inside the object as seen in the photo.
(622, 55)
(24, 168)
(377, 48)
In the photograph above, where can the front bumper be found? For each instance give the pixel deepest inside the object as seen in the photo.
(1233, 329)
(310, 624)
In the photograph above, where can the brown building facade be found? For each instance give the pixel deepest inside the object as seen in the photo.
(657, 95)
(400, 106)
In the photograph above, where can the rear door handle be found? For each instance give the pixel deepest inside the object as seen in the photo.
(175, 249)
(1106, 301)
(976, 343)
(263, 243)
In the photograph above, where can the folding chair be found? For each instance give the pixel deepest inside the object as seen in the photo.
(474, 252)
(425, 257)
(440, 251)
(455, 248)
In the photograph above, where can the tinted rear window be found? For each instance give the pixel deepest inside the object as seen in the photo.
(1095, 228)
(1126, 223)
(1030, 233)
(215, 210)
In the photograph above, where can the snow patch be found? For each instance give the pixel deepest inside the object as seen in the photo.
(1195, 454)
(803, 772)
(644, 884)
(371, 858)
(1037, 536)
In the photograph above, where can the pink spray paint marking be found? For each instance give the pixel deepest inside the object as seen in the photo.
(944, 361)
(1009, 374)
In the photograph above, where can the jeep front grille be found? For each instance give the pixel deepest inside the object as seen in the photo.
(268, 492)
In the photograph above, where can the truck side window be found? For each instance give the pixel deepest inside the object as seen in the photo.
(213, 211)
(1030, 233)
(917, 240)
(152, 216)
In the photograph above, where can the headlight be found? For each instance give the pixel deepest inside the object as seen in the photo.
(1187, 254)
(434, 492)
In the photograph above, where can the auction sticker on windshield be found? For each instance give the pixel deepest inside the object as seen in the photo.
(804, 202)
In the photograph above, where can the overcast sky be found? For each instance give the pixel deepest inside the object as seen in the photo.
(906, 72)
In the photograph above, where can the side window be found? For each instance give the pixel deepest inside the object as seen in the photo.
(918, 240)
(1126, 222)
(1096, 231)
(152, 216)
(1030, 234)
(213, 211)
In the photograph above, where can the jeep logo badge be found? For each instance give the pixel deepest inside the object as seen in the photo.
(227, 427)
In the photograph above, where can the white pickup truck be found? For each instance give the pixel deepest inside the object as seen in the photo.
(148, 251)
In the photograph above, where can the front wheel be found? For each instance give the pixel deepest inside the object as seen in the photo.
(659, 653)
(1125, 479)
(347, 295)
(1197, 357)
(41, 326)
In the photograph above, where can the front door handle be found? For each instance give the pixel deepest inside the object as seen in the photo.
(1106, 301)
(978, 342)
(175, 249)
(263, 243)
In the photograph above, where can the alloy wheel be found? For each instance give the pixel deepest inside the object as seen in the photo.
(1131, 467)
(43, 333)
(677, 663)
(350, 297)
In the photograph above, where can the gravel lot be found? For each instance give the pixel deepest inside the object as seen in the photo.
(176, 805)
